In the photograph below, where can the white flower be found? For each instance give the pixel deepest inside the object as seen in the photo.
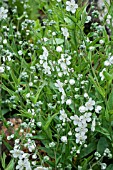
(75, 119)
(106, 63)
(68, 102)
(81, 129)
(87, 116)
(111, 60)
(63, 96)
(47, 69)
(45, 52)
(88, 19)
(80, 138)
(64, 139)
(46, 158)
(3, 13)
(85, 95)
(39, 124)
(63, 115)
(71, 6)
(2, 69)
(59, 49)
(58, 0)
(69, 133)
(16, 153)
(20, 52)
(21, 165)
(30, 145)
(82, 109)
(27, 164)
(101, 41)
(4, 41)
(27, 95)
(89, 105)
(65, 32)
(103, 166)
(30, 84)
(93, 125)
(98, 109)
(72, 81)
(59, 85)
(41, 168)
(52, 144)
(92, 48)
(101, 74)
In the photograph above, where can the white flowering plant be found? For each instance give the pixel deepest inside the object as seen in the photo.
(56, 85)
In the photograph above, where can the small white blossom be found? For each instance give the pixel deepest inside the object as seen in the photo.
(88, 19)
(75, 119)
(101, 41)
(59, 49)
(39, 124)
(71, 81)
(59, 85)
(80, 138)
(93, 125)
(68, 102)
(4, 41)
(69, 133)
(82, 109)
(3, 13)
(52, 144)
(98, 109)
(71, 6)
(65, 32)
(89, 105)
(20, 52)
(85, 95)
(63, 115)
(101, 74)
(103, 166)
(2, 69)
(16, 153)
(41, 168)
(92, 48)
(64, 139)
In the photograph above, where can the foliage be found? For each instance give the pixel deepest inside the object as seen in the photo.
(56, 85)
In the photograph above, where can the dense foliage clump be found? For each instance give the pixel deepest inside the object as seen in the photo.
(56, 85)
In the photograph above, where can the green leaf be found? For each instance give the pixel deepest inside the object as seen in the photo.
(38, 92)
(110, 101)
(72, 18)
(107, 116)
(4, 111)
(88, 150)
(84, 164)
(102, 145)
(10, 166)
(49, 121)
(8, 90)
(48, 151)
(97, 86)
(25, 114)
(103, 131)
(110, 167)
(58, 41)
(15, 80)
(8, 146)
(108, 76)
(3, 159)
